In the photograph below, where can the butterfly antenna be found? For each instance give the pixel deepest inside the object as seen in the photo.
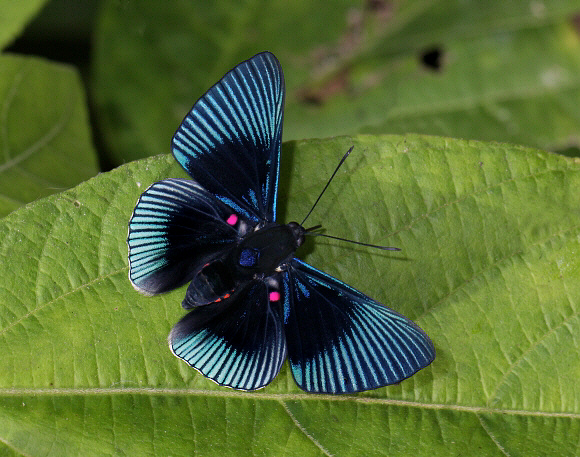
(309, 231)
(328, 183)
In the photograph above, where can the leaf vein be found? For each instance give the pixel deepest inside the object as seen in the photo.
(70, 292)
(304, 431)
(11, 446)
(532, 347)
(491, 435)
(43, 140)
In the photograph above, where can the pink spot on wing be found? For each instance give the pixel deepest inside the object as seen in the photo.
(274, 296)
(232, 219)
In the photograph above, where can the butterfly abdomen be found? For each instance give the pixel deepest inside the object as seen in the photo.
(213, 283)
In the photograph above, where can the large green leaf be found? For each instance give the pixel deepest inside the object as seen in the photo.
(489, 267)
(45, 144)
(14, 15)
(510, 71)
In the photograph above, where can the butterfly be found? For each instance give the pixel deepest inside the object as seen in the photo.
(253, 304)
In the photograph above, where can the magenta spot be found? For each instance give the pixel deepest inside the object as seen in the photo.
(232, 219)
(274, 296)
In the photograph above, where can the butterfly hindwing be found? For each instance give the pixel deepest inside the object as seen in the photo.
(237, 342)
(230, 140)
(341, 341)
(176, 227)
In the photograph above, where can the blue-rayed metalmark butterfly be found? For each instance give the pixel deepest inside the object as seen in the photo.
(252, 302)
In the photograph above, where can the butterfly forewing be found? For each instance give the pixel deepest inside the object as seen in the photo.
(237, 342)
(176, 227)
(341, 341)
(230, 141)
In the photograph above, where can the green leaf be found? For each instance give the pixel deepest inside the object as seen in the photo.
(510, 71)
(45, 144)
(489, 267)
(14, 15)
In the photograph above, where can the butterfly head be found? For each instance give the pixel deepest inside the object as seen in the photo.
(298, 232)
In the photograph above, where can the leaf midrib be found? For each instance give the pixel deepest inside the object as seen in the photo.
(153, 391)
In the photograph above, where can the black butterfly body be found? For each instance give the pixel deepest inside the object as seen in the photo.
(253, 303)
(258, 255)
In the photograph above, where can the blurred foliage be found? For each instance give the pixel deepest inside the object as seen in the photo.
(494, 70)
(45, 138)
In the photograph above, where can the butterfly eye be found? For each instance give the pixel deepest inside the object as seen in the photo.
(274, 296)
(232, 219)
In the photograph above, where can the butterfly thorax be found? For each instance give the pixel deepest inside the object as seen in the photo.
(263, 251)
(257, 255)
